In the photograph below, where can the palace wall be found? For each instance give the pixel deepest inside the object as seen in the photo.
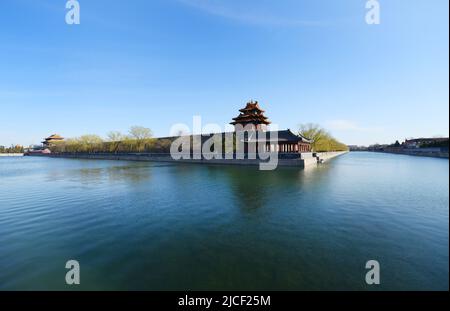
(303, 160)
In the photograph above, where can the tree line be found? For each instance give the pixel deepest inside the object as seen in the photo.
(12, 149)
(322, 140)
(140, 139)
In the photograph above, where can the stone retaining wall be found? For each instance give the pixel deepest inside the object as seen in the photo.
(304, 160)
(11, 154)
(325, 156)
(420, 153)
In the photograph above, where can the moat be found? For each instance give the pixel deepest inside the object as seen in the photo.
(163, 226)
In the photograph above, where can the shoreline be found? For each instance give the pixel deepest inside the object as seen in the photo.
(12, 154)
(412, 152)
(300, 160)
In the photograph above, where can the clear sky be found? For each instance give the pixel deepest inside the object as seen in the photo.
(159, 62)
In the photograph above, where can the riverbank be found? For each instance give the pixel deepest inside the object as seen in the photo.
(326, 156)
(11, 154)
(429, 152)
(300, 160)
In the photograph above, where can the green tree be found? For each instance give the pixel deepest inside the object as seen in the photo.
(321, 140)
(315, 133)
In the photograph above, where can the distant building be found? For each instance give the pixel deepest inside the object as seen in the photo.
(357, 148)
(51, 140)
(426, 142)
(377, 147)
(252, 116)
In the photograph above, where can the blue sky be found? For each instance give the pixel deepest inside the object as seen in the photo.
(159, 62)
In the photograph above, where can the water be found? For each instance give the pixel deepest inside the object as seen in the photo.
(155, 226)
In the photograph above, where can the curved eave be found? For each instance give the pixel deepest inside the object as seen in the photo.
(250, 116)
(251, 109)
(255, 122)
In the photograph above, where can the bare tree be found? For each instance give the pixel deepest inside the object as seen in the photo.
(115, 136)
(140, 132)
(141, 135)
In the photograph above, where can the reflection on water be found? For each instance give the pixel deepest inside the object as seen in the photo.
(156, 226)
(252, 187)
(124, 172)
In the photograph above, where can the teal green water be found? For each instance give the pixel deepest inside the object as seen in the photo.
(155, 226)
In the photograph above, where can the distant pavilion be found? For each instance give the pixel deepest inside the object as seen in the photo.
(51, 140)
(287, 142)
(253, 115)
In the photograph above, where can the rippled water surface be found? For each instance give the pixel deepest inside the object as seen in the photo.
(155, 226)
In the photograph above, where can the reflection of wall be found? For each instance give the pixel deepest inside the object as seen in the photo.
(94, 175)
(253, 188)
(299, 161)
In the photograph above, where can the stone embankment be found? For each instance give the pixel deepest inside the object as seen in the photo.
(296, 160)
(325, 156)
(421, 152)
(11, 154)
